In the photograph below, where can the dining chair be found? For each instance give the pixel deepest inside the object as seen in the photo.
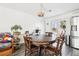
(29, 48)
(26, 33)
(56, 50)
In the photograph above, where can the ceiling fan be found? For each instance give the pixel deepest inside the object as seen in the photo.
(42, 11)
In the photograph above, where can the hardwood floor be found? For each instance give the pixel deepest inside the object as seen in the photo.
(6, 52)
(66, 51)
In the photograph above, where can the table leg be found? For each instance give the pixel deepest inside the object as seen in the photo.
(39, 51)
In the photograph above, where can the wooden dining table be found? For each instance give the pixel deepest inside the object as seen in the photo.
(40, 41)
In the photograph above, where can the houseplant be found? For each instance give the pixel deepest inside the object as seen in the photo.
(16, 29)
(16, 34)
(63, 24)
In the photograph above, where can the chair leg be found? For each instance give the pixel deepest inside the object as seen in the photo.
(60, 54)
(44, 51)
(30, 53)
(25, 52)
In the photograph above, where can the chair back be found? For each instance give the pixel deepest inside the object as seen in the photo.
(27, 41)
(60, 42)
(26, 33)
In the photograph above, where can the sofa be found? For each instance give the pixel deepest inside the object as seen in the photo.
(6, 44)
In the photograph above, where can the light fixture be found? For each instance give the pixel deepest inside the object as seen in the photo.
(40, 12)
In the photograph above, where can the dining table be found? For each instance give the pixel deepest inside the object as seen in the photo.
(40, 41)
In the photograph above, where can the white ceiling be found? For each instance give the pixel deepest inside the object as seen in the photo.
(32, 8)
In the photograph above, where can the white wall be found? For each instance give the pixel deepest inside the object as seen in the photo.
(65, 50)
(10, 17)
(65, 16)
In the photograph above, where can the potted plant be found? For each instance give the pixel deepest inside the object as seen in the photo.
(16, 29)
(16, 32)
(63, 24)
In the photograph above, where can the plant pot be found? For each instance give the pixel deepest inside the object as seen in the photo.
(64, 26)
(17, 33)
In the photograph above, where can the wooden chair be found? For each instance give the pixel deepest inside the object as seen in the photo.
(56, 50)
(29, 48)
